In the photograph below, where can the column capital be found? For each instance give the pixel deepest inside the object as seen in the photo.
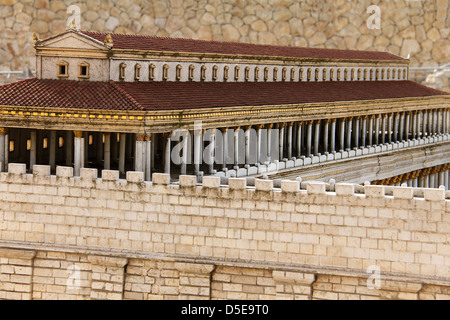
(3, 130)
(259, 126)
(237, 128)
(269, 125)
(223, 130)
(310, 122)
(140, 137)
(289, 124)
(333, 120)
(384, 115)
(281, 124)
(78, 134)
(349, 118)
(326, 121)
(165, 134)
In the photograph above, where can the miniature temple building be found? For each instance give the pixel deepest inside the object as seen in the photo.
(179, 106)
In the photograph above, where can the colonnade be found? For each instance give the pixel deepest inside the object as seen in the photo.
(208, 151)
(432, 177)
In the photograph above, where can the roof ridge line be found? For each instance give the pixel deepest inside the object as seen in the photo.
(129, 97)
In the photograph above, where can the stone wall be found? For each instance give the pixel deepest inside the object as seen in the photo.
(419, 28)
(130, 239)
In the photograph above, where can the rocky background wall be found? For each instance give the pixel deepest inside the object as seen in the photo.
(419, 28)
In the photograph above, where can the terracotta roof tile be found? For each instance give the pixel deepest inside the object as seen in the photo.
(192, 95)
(151, 43)
(66, 94)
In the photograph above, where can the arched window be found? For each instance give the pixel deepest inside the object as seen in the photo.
(151, 72)
(178, 70)
(256, 73)
(191, 72)
(365, 74)
(266, 73)
(137, 71)
(275, 74)
(203, 73)
(283, 74)
(309, 74)
(247, 73)
(359, 74)
(225, 73)
(324, 74)
(345, 74)
(214, 73)
(236, 73)
(165, 75)
(122, 68)
(292, 74)
(331, 74)
(300, 74)
(339, 74)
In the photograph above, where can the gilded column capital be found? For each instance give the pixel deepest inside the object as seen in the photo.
(78, 134)
(140, 137)
(3, 130)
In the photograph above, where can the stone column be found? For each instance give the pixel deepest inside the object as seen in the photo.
(281, 141)
(269, 143)
(198, 150)
(441, 179)
(184, 157)
(364, 131)
(122, 148)
(299, 139)
(377, 129)
(236, 147)
(259, 133)
(107, 151)
(396, 122)
(356, 132)
(139, 153)
(316, 137)
(414, 125)
(390, 126)
(289, 140)
(342, 134)
(325, 134)
(225, 148)
(349, 133)
(333, 135)
(370, 133)
(430, 122)
(99, 146)
(212, 151)
(383, 129)
(425, 124)
(78, 152)
(407, 125)
(309, 138)
(167, 152)
(247, 134)
(3, 149)
(33, 145)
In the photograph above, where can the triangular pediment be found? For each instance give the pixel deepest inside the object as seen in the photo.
(72, 40)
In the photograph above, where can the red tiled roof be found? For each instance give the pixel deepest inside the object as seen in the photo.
(191, 95)
(138, 42)
(66, 94)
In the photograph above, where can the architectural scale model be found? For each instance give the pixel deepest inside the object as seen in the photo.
(138, 167)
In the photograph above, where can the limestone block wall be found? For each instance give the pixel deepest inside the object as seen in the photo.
(107, 238)
(418, 28)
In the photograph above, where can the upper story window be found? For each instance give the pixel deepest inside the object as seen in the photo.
(203, 73)
(266, 73)
(275, 74)
(247, 73)
(178, 72)
(226, 70)
(236, 73)
(256, 73)
(191, 72)
(122, 68)
(283, 74)
(165, 74)
(292, 74)
(345, 74)
(339, 74)
(151, 72)
(137, 71)
(300, 76)
(62, 69)
(309, 74)
(324, 74)
(359, 74)
(365, 74)
(83, 70)
(214, 73)
(331, 74)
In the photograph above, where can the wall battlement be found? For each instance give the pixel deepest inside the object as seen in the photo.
(314, 228)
